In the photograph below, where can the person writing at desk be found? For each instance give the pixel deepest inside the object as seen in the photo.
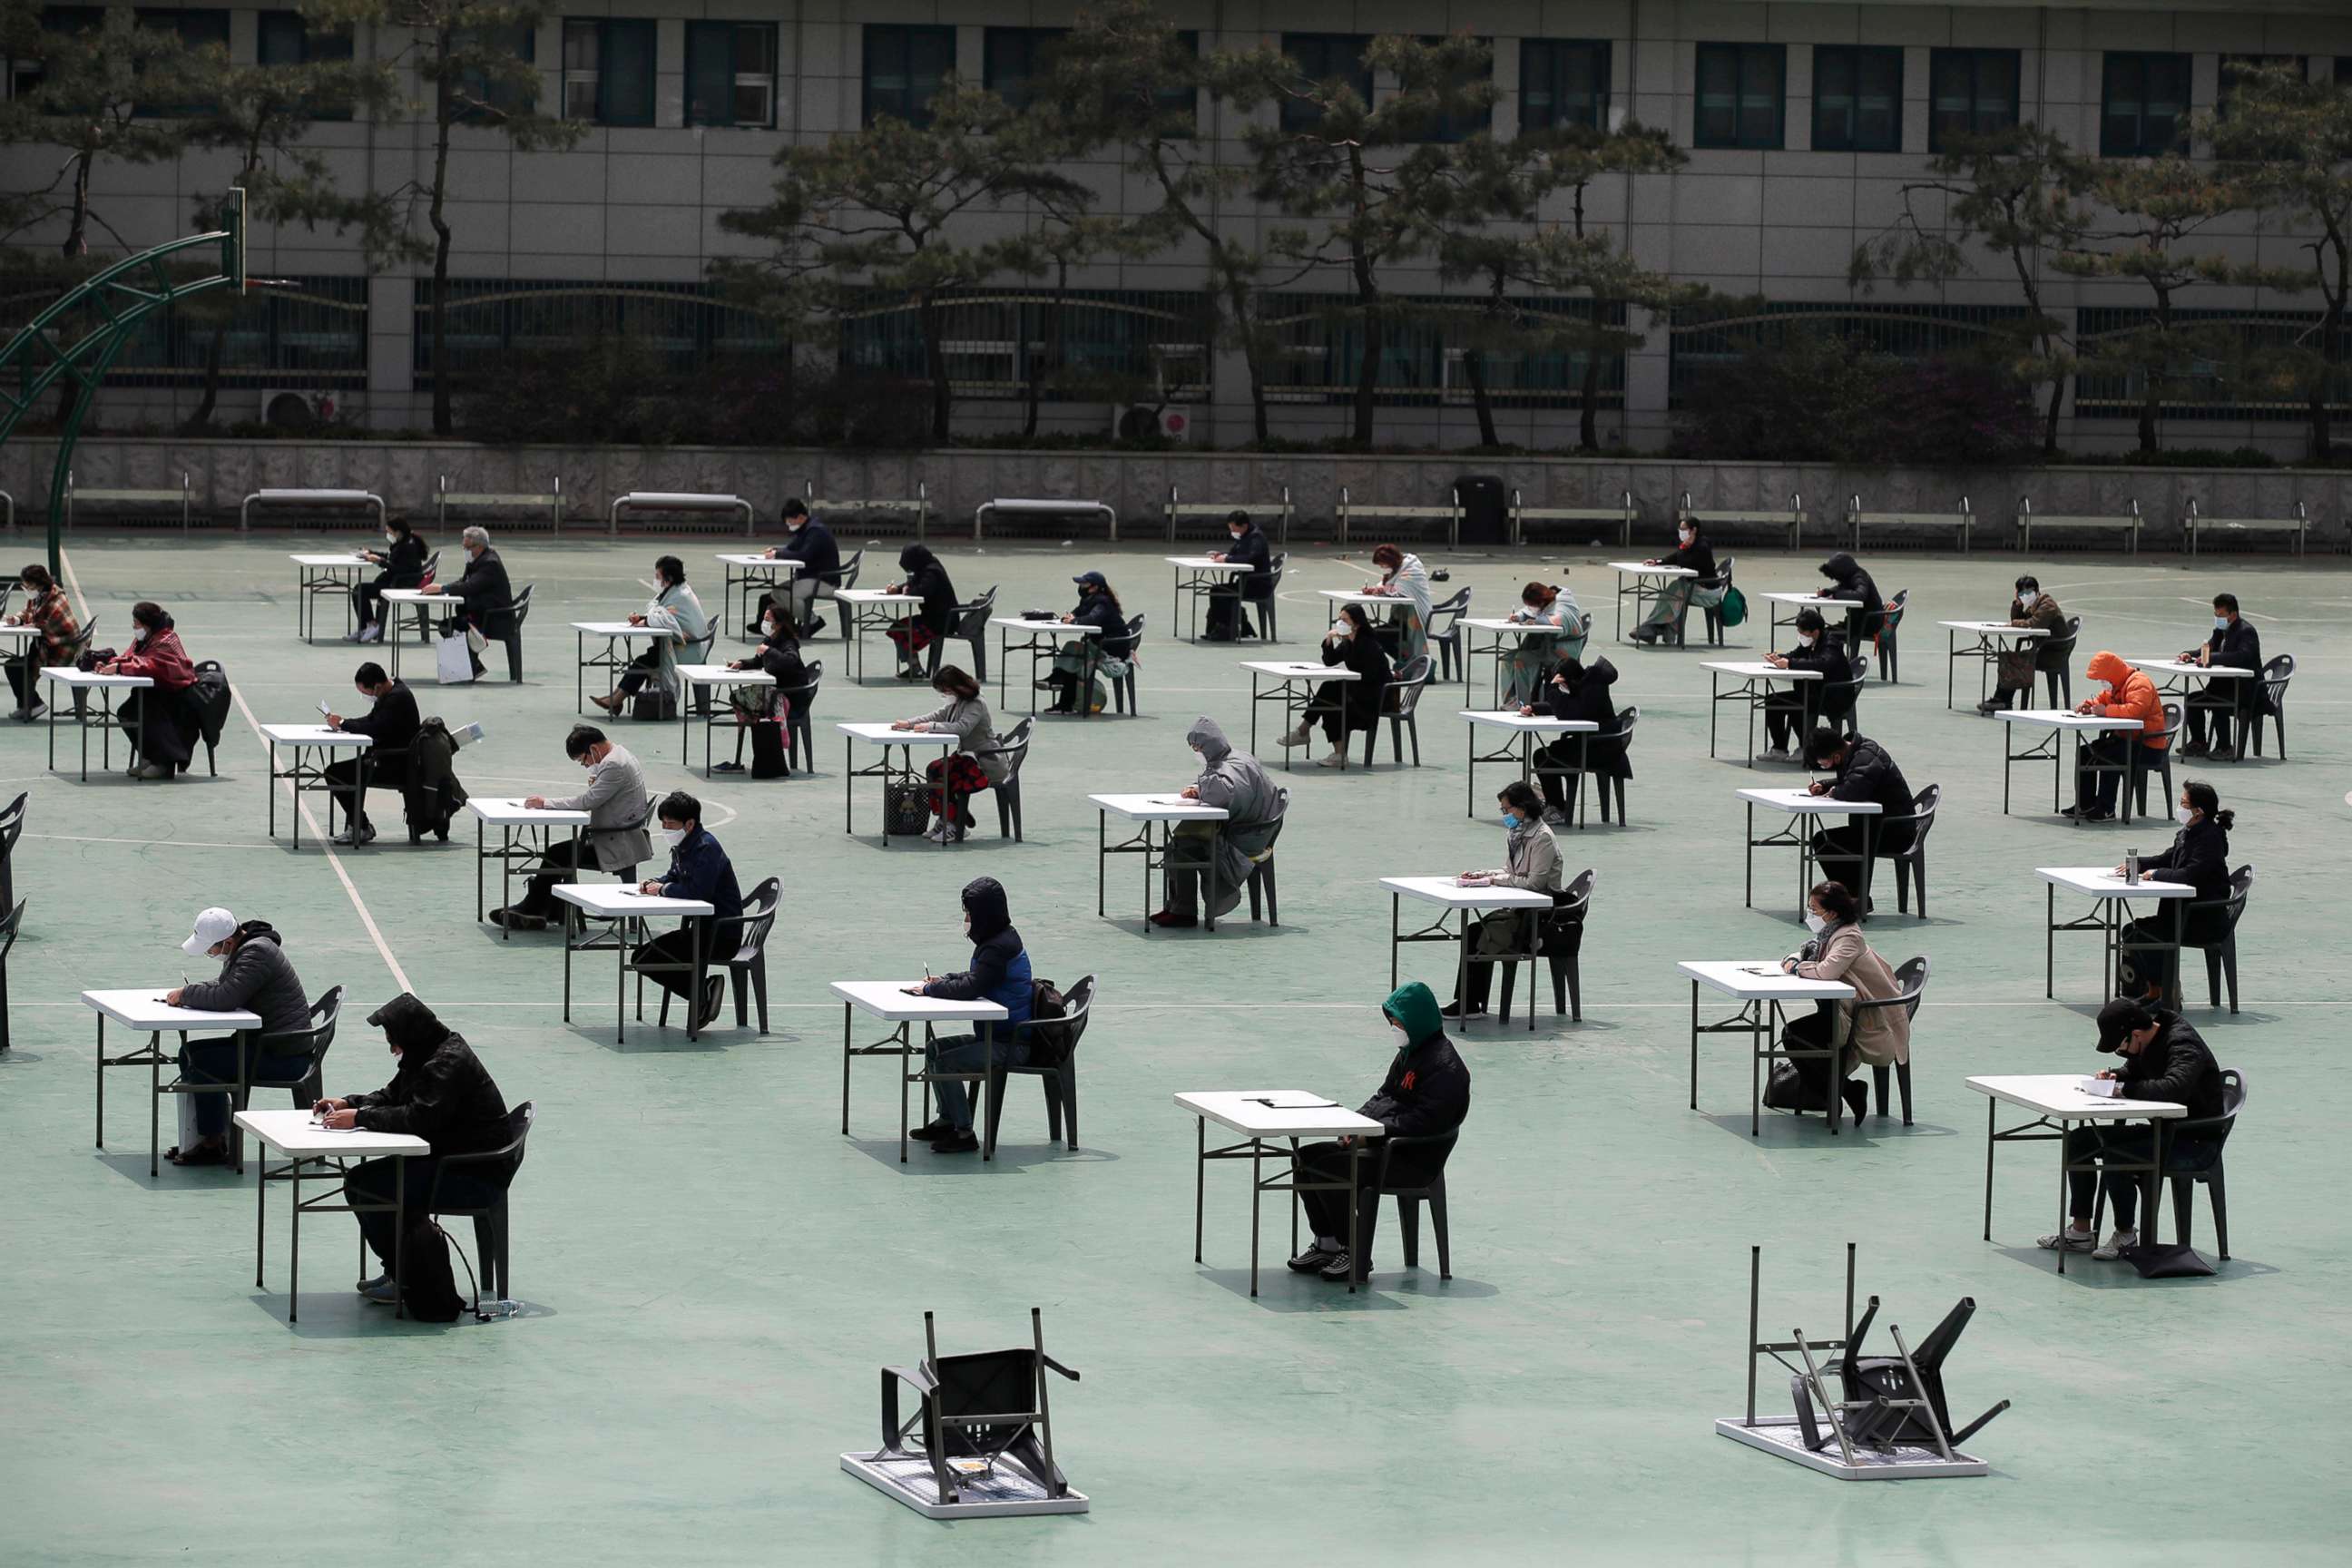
(2199, 856)
(1097, 607)
(2016, 667)
(403, 560)
(779, 658)
(616, 836)
(1785, 709)
(1578, 690)
(1673, 602)
(1864, 772)
(978, 762)
(1245, 546)
(257, 977)
(1540, 605)
(391, 722)
(159, 716)
(440, 1092)
(699, 869)
(2161, 1059)
(1405, 578)
(1425, 1094)
(2234, 645)
(674, 610)
(2129, 694)
(1849, 580)
(1346, 707)
(934, 618)
(484, 595)
(999, 974)
(1880, 1036)
(1219, 852)
(47, 608)
(812, 544)
(1532, 856)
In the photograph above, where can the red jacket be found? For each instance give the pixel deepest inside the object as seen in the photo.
(161, 659)
(2131, 694)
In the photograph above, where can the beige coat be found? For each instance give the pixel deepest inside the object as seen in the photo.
(1883, 1037)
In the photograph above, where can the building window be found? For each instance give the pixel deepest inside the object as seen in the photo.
(608, 70)
(67, 21)
(1970, 92)
(1742, 93)
(2144, 105)
(1325, 57)
(479, 97)
(1183, 100)
(1857, 99)
(903, 65)
(730, 74)
(284, 38)
(1564, 82)
(196, 30)
(1013, 58)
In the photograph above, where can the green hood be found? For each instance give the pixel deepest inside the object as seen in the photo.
(1415, 1005)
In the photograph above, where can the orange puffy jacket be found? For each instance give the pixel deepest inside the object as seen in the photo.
(2129, 695)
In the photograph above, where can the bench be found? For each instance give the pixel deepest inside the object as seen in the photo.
(677, 500)
(553, 502)
(919, 504)
(1450, 509)
(2028, 519)
(1621, 514)
(2197, 522)
(306, 499)
(1219, 510)
(1792, 520)
(1033, 506)
(183, 496)
(1857, 520)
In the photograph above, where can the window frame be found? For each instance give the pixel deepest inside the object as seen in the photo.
(609, 31)
(1742, 55)
(1448, 131)
(1858, 59)
(731, 30)
(1034, 45)
(1976, 60)
(1299, 115)
(1556, 52)
(905, 36)
(2144, 60)
(331, 47)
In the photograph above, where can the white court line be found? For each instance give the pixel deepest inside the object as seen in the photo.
(1283, 1006)
(148, 842)
(382, 948)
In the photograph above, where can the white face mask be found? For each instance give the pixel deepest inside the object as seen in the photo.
(1807, 639)
(2025, 597)
(392, 538)
(793, 525)
(672, 838)
(138, 634)
(2183, 815)
(769, 628)
(1402, 1040)
(967, 925)
(1815, 924)
(1685, 535)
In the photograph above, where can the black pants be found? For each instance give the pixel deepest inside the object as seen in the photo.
(1784, 715)
(1818, 1075)
(2128, 1146)
(641, 669)
(344, 778)
(1326, 1211)
(555, 868)
(1838, 851)
(156, 718)
(2219, 713)
(367, 599)
(22, 678)
(1329, 711)
(214, 1061)
(370, 1182)
(2113, 752)
(674, 947)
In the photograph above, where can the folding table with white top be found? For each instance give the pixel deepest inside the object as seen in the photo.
(1650, 584)
(695, 679)
(1521, 730)
(1153, 812)
(1757, 679)
(1761, 989)
(884, 738)
(419, 599)
(871, 609)
(1798, 805)
(616, 657)
(144, 1011)
(1199, 576)
(1796, 605)
(2055, 1099)
(310, 778)
(2054, 723)
(318, 1152)
(316, 574)
(753, 571)
(2195, 685)
(1500, 629)
(2111, 899)
(533, 824)
(889, 1000)
(1271, 1121)
(625, 912)
(73, 687)
(1296, 681)
(1461, 901)
(1989, 640)
(1041, 639)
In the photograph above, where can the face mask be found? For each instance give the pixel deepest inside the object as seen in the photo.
(795, 525)
(139, 635)
(1815, 924)
(2221, 622)
(967, 925)
(768, 628)
(1200, 756)
(1808, 639)
(2025, 596)
(2183, 815)
(1404, 1040)
(392, 538)
(672, 838)
(1511, 820)
(1685, 535)
(1236, 538)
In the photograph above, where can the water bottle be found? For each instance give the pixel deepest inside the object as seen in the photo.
(2131, 867)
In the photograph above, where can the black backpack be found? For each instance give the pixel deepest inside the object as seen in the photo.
(428, 1286)
(768, 754)
(1049, 1041)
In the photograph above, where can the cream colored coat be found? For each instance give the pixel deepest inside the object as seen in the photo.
(1883, 1037)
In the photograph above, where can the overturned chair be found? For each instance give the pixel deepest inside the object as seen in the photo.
(980, 1445)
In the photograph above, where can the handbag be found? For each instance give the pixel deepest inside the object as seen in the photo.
(768, 759)
(906, 808)
(1733, 611)
(455, 656)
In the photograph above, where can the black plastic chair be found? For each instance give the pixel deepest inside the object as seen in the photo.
(1122, 690)
(1060, 1080)
(2147, 758)
(1710, 615)
(2274, 677)
(1842, 697)
(799, 737)
(12, 827)
(1911, 864)
(1444, 633)
(969, 627)
(310, 1045)
(1603, 785)
(1262, 867)
(2221, 955)
(1911, 983)
(742, 940)
(1398, 705)
(978, 1414)
(2214, 1130)
(1263, 608)
(1430, 1190)
(1559, 942)
(517, 612)
(2058, 676)
(850, 568)
(1015, 751)
(490, 1228)
(10, 924)
(1887, 662)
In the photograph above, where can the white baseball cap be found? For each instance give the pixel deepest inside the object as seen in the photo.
(214, 926)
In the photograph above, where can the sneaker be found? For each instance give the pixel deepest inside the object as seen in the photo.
(2194, 749)
(1332, 760)
(515, 920)
(2116, 1246)
(1170, 919)
(152, 771)
(1554, 817)
(1337, 1267)
(1644, 634)
(1292, 738)
(1991, 705)
(36, 711)
(938, 831)
(2068, 1240)
(953, 1142)
(2094, 814)
(928, 1130)
(364, 1286)
(726, 767)
(383, 1292)
(1454, 1010)
(714, 997)
(2071, 811)
(814, 627)
(372, 632)
(1310, 1261)
(357, 837)
(2222, 754)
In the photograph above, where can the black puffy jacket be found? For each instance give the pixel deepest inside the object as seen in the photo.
(2177, 1066)
(1867, 772)
(259, 978)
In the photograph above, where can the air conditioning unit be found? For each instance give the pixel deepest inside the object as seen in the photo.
(1138, 421)
(298, 410)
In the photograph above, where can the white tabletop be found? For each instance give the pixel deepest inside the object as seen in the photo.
(416, 597)
(621, 629)
(722, 675)
(66, 674)
(1797, 803)
(331, 560)
(1755, 669)
(145, 1009)
(313, 735)
(883, 735)
(2175, 667)
(2101, 882)
(1531, 724)
(1647, 569)
(1996, 628)
(2064, 719)
(876, 596)
(888, 1001)
(1202, 564)
(296, 1132)
(1358, 596)
(1815, 600)
(782, 563)
(1296, 669)
(1446, 892)
(613, 901)
(1279, 1113)
(1733, 978)
(1524, 628)
(18, 629)
(1023, 624)
(1159, 808)
(2061, 1095)
(512, 813)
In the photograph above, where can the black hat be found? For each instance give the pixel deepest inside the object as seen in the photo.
(2120, 1017)
(409, 1023)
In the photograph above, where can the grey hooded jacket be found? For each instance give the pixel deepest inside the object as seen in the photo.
(1237, 782)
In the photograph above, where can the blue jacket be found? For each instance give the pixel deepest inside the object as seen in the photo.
(698, 868)
(1000, 964)
(813, 544)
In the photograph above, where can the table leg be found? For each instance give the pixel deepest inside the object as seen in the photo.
(294, 1234)
(987, 1086)
(845, 1069)
(1756, 701)
(1749, 899)
(1991, 1105)
(906, 1055)
(849, 792)
(2050, 939)
(568, 915)
(2061, 1192)
(155, 1100)
(1951, 656)
(260, 1210)
(1258, 1195)
(399, 1231)
(1756, 1044)
(694, 995)
(1102, 857)
(1200, 1178)
(1394, 899)
(1167, 839)
(1285, 761)
(620, 981)
(270, 754)
(1470, 761)
(1462, 964)
(1694, 1033)
(98, 1136)
(1358, 1265)
(1714, 697)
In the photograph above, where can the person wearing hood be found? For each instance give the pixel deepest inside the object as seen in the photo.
(978, 762)
(1406, 578)
(812, 544)
(2199, 856)
(999, 974)
(1426, 1092)
(1787, 708)
(927, 580)
(2161, 1059)
(2234, 645)
(256, 977)
(1245, 545)
(675, 610)
(2103, 762)
(1531, 861)
(1673, 602)
(1849, 580)
(698, 868)
(403, 560)
(1864, 772)
(2017, 666)
(1878, 1037)
(1577, 690)
(1218, 853)
(441, 1093)
(1533, 653)
(159, 716)
(1097, 607)
(1346, 706)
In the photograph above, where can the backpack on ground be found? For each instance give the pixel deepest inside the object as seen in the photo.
(428, 1286)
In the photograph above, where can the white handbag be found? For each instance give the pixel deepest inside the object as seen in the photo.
(455, 655)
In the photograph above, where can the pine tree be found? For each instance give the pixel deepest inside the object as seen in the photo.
(83, 101)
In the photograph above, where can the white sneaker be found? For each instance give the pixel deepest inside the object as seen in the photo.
(372, 632)
(2069, 1240)
(1294, 738)
(2116, 1245)
(938, 832)
(1554, 818)
(1332, 760)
